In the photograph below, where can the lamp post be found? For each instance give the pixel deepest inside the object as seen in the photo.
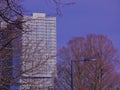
(84, 59)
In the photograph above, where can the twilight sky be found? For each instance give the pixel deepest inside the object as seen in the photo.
(86, 16)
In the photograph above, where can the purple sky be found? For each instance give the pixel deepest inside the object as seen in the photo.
(86, 16)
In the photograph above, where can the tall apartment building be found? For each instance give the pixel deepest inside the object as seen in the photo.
(38, 52)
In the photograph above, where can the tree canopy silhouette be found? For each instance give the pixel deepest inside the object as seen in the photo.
(89, 75)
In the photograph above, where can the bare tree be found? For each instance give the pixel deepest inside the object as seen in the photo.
(10, 10)
(22, 57)
(88, 75)
(7, 35)
(61, 3)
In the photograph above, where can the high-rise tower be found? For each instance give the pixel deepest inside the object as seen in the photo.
(34, 52)
(39, 52)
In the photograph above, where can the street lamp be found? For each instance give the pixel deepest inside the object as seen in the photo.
(84, 59)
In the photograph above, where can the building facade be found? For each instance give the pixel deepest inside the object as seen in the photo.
(35, 52)
(38, 52)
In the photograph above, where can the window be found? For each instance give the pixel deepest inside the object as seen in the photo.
(50, 88)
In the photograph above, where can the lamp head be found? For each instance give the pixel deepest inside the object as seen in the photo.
(90, 59)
